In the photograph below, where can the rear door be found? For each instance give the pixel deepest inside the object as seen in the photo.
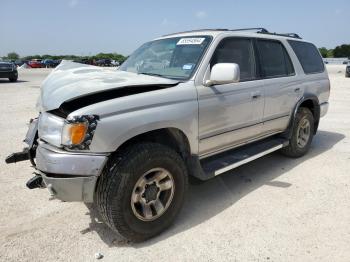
(280, 85)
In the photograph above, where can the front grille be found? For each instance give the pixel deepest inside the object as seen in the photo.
(5, 68)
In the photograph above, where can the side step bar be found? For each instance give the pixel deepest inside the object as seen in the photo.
(223, 162)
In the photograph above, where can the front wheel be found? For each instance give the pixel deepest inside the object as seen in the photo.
(302, 134)
(13, 78)
(142, 190)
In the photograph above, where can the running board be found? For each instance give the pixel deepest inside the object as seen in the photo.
(228, 160)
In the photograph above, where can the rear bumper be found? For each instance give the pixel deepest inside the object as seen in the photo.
(324, 109)
(69, 176)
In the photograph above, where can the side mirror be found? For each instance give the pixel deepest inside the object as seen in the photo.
(223, 73)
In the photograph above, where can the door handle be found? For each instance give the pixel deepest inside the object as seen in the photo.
(297, 90)
(256, 95)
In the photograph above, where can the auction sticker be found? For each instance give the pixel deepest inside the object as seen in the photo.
(191, 41)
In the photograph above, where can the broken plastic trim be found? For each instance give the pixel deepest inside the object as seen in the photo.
(74, 104)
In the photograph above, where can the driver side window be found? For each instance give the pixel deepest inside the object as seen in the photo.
(239, 51)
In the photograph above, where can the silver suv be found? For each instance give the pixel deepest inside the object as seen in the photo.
(186, 106)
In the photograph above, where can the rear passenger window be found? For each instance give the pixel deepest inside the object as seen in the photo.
(308, 56)
(239, 51)
(275, 61)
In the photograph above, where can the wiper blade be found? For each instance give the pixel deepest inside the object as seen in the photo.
(152, 74)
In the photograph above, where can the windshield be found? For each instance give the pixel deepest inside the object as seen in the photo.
(175, 58)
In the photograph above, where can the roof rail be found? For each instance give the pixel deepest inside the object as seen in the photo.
(292, 35)
(262, 30)
(198, 30)
(259, 30)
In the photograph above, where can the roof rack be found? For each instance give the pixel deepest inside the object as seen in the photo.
(198, 30)
(259, 30)
(292, 35)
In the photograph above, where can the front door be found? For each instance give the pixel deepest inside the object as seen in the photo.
(231, 114)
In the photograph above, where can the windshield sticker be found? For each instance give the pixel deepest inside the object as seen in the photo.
(187, 67)
(191, 41)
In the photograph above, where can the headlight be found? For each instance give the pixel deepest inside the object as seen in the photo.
(77, 132)
(50, 128)
(74, 133)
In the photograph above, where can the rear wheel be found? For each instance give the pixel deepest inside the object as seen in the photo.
(302, 134)
(142, 190)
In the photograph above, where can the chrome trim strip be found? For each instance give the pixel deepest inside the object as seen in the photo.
(249, 159)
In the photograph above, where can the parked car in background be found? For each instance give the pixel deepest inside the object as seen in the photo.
(347, 70)
(84, 61)
(104, 62)
(115, 63)
(8, 70)
(35, 63)
(49, 63)
(20, 62)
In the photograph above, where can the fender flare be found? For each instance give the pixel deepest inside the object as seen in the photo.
(316, 112)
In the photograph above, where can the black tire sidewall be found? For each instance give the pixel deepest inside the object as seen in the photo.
(301, 114)
(13, 78)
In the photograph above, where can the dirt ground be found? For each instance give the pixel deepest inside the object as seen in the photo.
(273, 209)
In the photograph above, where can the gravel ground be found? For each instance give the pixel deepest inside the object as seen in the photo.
(273, 209)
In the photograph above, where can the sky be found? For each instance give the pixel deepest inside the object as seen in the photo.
(87, 27)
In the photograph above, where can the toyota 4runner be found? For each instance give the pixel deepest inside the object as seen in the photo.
(188, 105)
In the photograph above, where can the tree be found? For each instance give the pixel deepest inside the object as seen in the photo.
(330, 53)
(324, 52)
(342, 51)
(12, 56)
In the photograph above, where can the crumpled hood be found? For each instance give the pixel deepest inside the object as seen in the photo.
(71, 80)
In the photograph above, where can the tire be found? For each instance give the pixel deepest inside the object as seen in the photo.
(298, 147)
(117, 185)
(347, 75)
(13, 78)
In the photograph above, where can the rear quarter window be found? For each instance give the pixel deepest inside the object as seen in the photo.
(308, 56)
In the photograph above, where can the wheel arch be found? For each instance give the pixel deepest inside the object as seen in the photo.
(311, 102)
(171, 137)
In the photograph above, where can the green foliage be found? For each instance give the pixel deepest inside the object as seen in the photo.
(342, 51)
(324, 52)
(12, 56)
(330, 53)
(114, 56)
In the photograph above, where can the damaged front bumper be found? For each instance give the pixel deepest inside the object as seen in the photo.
(69, 176)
